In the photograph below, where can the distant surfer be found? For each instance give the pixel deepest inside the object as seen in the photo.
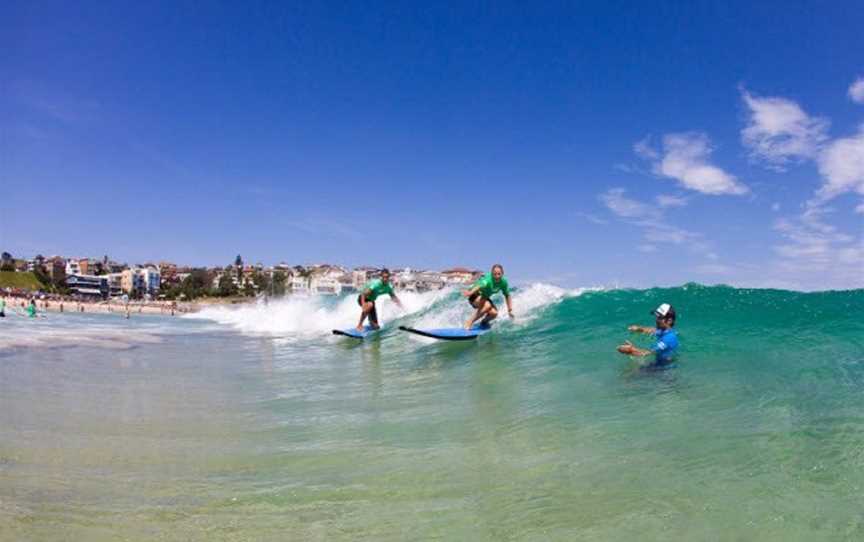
(370, 293)
(665, 338)
(480, 296)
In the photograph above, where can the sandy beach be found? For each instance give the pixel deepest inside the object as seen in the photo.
(163, 308)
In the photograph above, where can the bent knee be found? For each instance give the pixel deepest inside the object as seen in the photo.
(493, 312)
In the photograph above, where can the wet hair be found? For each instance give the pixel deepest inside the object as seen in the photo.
(499, 266)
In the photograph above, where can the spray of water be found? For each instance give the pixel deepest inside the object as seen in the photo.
(297, 316)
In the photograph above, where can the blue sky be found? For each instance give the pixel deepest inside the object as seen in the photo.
(605, 143)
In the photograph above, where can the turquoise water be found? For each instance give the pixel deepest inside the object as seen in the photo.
(256, 424)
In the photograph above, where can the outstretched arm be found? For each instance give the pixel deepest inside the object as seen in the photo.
(397, 301)
(509, 305)
(630, 350)
(642, 329)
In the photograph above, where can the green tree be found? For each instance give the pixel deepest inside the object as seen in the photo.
(226, 285)
(7, 262)
(278, 283)
(262, 281)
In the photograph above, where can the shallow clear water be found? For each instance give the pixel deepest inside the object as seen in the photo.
(256, 424)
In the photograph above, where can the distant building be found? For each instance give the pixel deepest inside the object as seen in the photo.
(299, 284)
(72, 267)
(55, 268)
(459, 275)
(132, 281)
(36, 264)
(325, 286)
(152, 279)
(115, 284)
(88, 285)
(83, 266)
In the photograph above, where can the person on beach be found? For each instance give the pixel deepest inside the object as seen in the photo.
(370, 293)
(665, 338)
(31, 308)
(480, 296)
(2, 307)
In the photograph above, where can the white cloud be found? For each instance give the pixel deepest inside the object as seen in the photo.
(645, 247)
(643, 149)
(860, 208)
(779, 131)
(775, 207)
(856, 91)
(625, 207)
(815, 252)
(685, 159)
(592, 218)
(842, 166)
(654, 227)
(664, 200)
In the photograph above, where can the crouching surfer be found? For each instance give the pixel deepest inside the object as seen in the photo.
(480, 296)
(370, 293)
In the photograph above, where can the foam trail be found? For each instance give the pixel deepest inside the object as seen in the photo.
(298, 316)
(527, 301)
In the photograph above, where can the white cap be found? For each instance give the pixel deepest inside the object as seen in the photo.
(663, 310)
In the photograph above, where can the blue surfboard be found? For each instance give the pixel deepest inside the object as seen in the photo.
(354, 334)
(450, 333)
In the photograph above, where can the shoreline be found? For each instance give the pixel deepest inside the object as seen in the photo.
(160, 308)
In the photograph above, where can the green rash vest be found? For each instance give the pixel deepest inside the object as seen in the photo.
(377, 288)
(31, 311)
(489, 287)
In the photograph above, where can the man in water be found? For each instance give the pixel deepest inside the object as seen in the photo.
(665, 338)
(31, 308)
(479, 296)
(370, 293)
(2, 307)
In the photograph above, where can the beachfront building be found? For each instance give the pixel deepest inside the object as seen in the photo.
(325, 286)
(36, 264)
(459, 275)
(55, 268)
(299, 284)
(73, 267)
(115, 284)
(429, 280)
(152, 279)
(92, 286)
(132, 281)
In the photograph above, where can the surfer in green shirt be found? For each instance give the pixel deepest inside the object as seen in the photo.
(31, 309)
(479, 296)
(370, 293)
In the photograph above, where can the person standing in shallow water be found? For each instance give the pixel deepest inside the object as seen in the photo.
(370, 293)
(665, 339)
(480, 294)
(31, 308)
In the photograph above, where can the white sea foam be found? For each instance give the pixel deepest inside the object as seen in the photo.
(70, 331)
(527, 301)
(297, 316)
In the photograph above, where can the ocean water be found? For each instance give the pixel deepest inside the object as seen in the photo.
(255, 423)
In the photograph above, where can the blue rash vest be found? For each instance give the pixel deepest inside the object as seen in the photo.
(665, 346)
